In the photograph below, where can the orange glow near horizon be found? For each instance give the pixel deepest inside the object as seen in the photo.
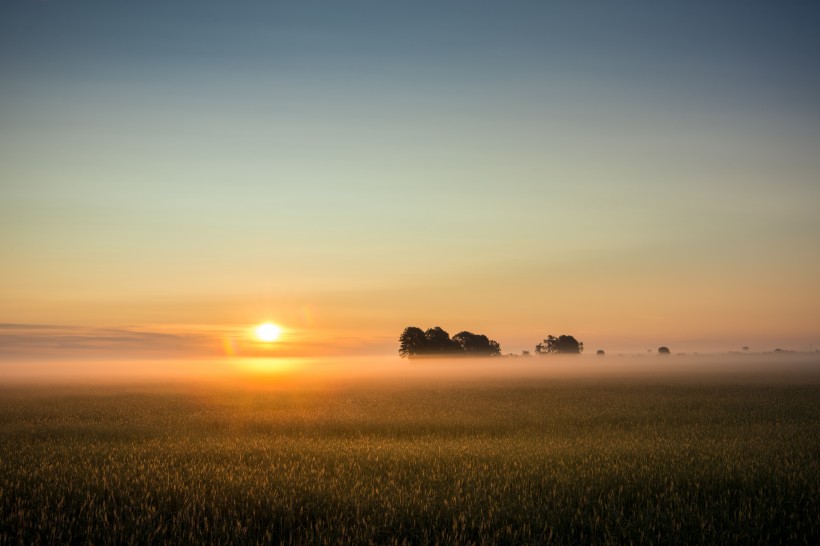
(191, 205)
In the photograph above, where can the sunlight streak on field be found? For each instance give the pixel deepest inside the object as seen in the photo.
(268, 366)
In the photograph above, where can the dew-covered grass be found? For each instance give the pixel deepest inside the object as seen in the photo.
(561, 461)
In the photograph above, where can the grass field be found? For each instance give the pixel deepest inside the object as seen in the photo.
(523, 462)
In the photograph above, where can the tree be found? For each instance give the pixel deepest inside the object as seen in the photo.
(495, 348)
(476, 344)
(664, 351)
(563, 344)
(412, 342)
(439, 342)
(600, 352)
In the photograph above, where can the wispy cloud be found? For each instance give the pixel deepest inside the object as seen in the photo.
(41, 340)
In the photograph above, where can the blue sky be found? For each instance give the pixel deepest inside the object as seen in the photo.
(615, 170)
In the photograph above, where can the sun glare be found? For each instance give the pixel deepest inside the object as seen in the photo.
(268, 332)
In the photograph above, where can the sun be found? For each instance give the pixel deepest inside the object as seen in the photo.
(268, 332)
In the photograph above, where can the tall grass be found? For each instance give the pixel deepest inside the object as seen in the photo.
(549, 462)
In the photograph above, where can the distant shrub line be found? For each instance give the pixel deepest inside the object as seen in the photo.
(415, 342)
(436, 342)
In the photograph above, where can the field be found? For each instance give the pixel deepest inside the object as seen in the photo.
(563, 461)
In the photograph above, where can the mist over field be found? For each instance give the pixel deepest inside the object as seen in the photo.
(261, 372)
(547, 450)
(350, 450)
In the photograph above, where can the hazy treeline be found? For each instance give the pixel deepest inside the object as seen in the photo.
(563, 344)
(435, 341)
(416, 342)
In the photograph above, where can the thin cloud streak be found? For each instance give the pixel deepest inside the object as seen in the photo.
(44, 340)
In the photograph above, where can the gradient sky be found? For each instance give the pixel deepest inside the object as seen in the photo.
(633, 173)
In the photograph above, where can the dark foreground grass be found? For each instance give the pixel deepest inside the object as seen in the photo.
(565, 462)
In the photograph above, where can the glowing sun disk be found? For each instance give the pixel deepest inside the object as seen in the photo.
(268, 332)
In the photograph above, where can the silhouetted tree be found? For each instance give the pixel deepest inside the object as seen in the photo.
(664, 351)
(476, 344)
(439, 342)
(560, 345)
(600, 352)
(412, 342)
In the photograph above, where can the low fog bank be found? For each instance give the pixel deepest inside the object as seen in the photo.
(340, 371)
(792, 367)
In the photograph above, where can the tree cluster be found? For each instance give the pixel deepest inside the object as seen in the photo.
(560, 345)
(436, 342)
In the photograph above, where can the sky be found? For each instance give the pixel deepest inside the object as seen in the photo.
(634, 174)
